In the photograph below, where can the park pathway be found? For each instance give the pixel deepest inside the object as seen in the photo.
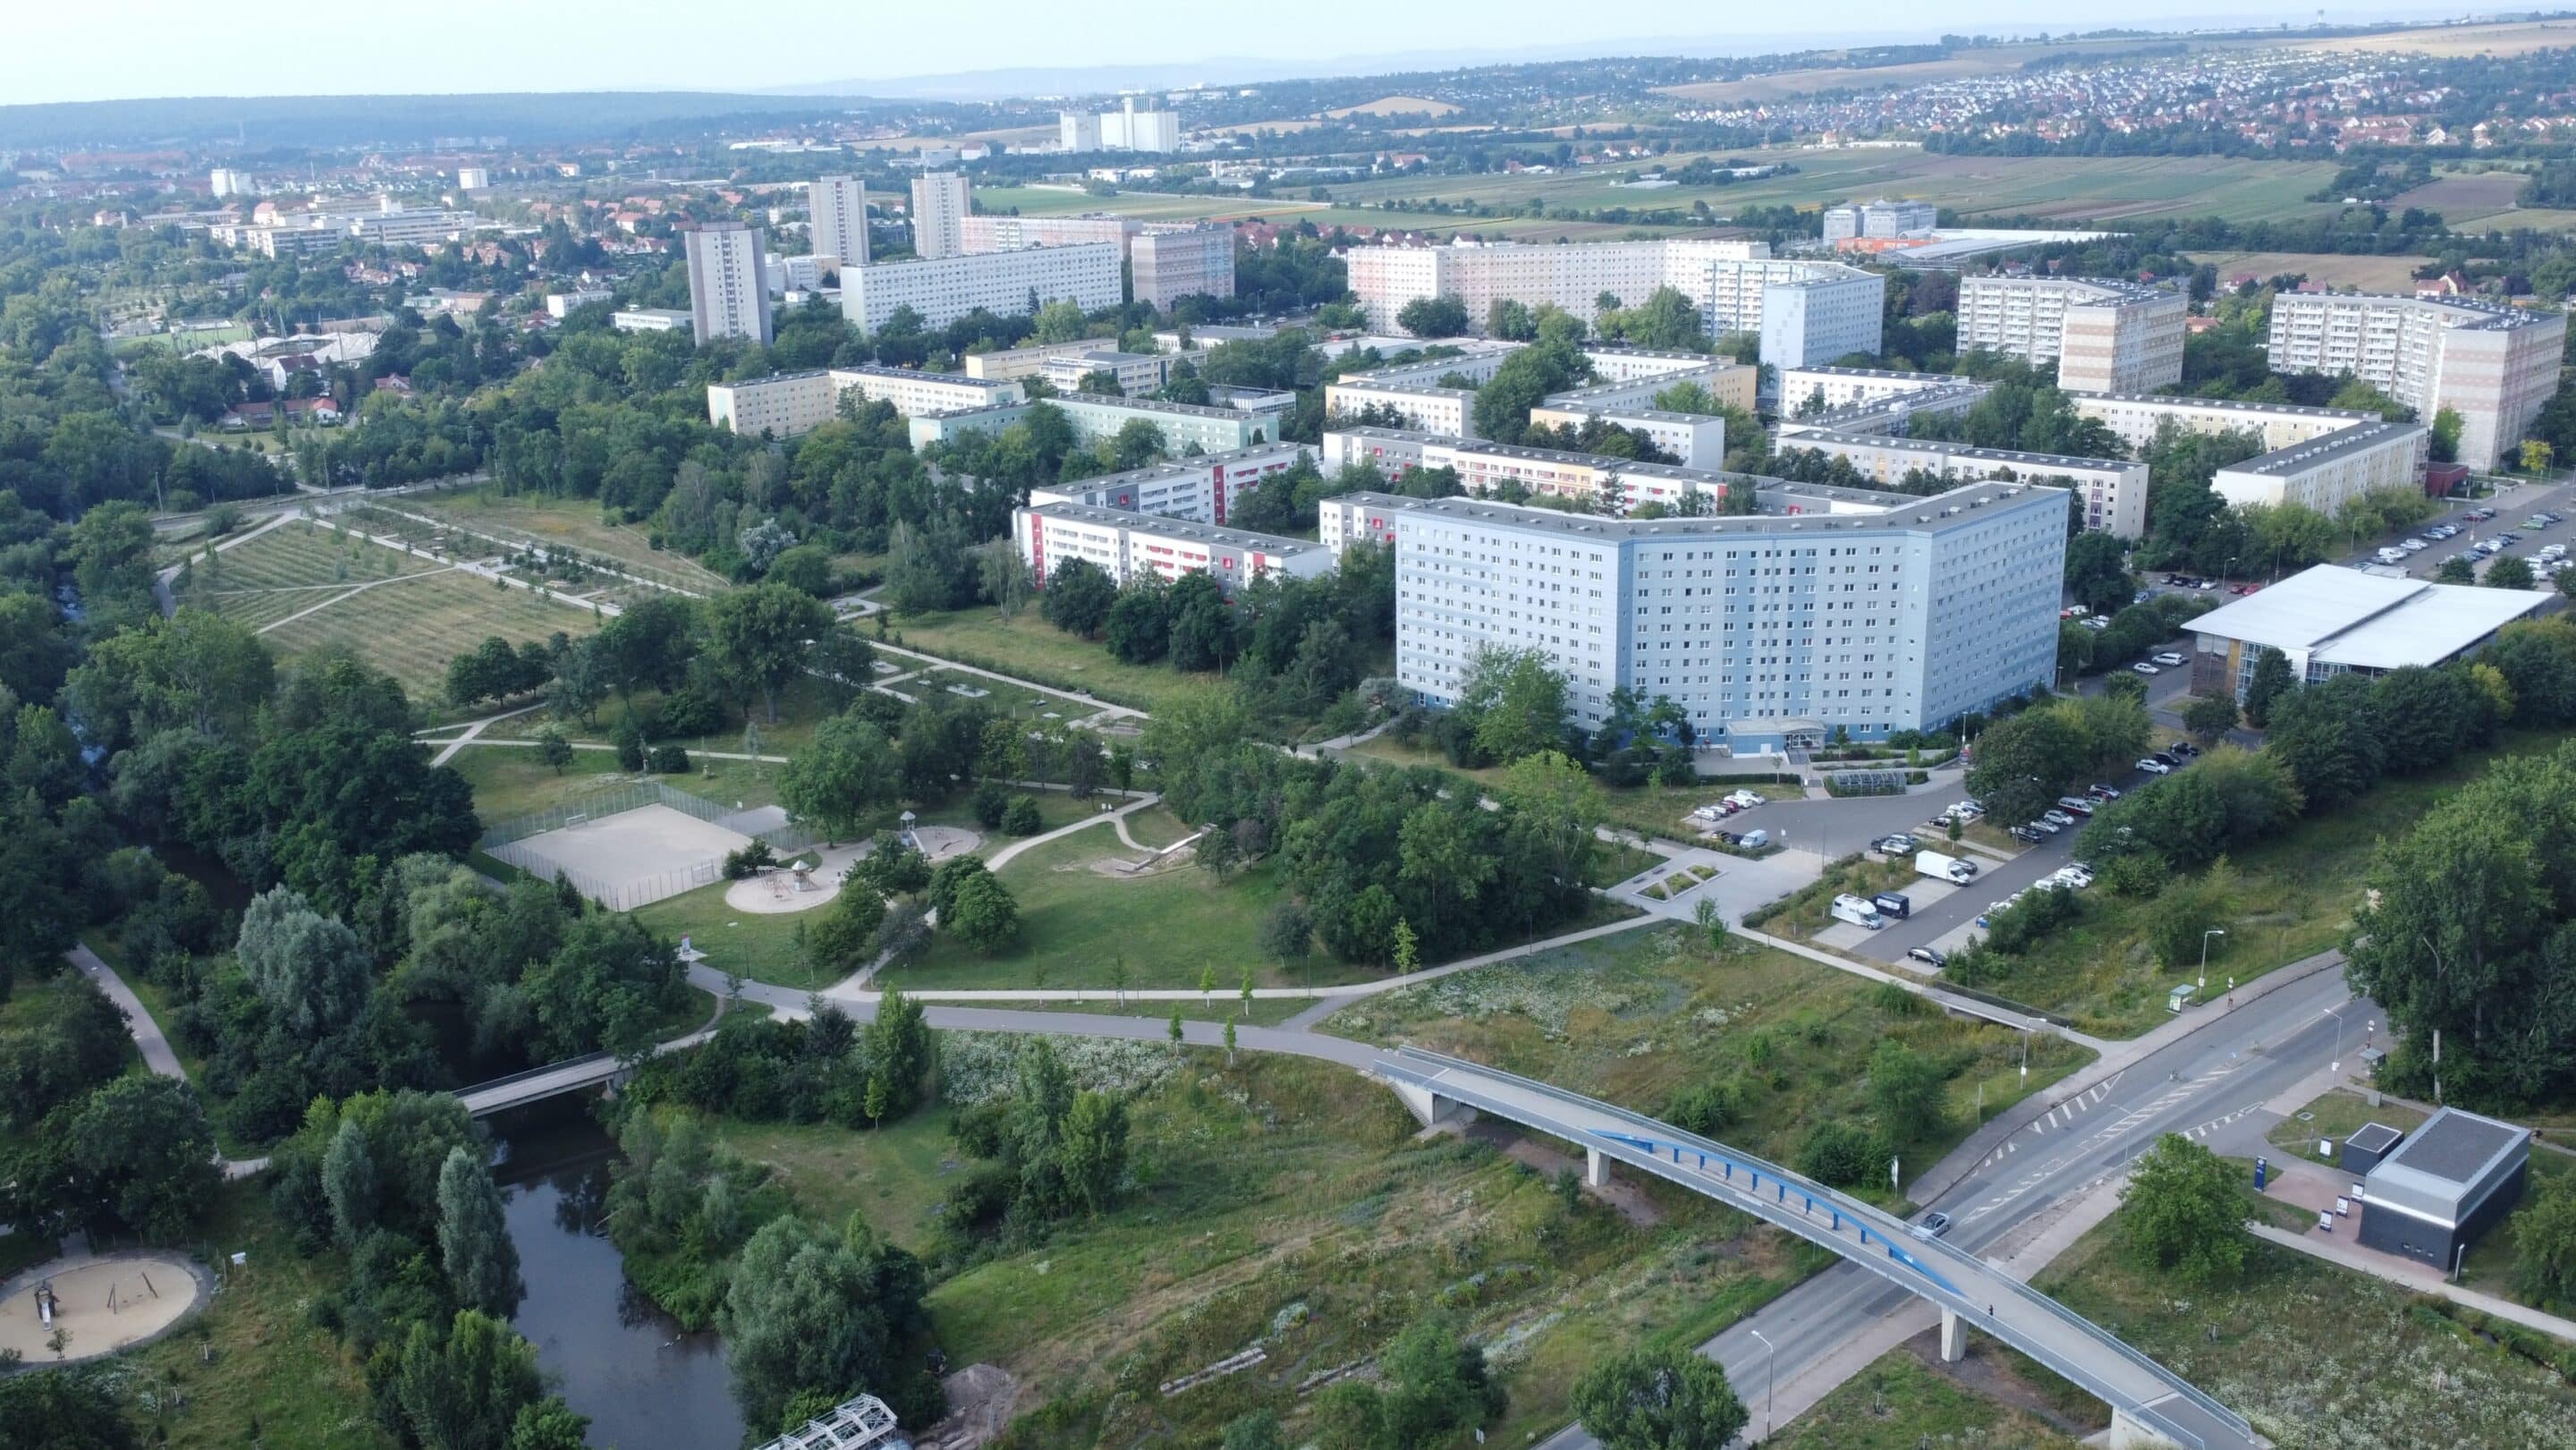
(158, 1055)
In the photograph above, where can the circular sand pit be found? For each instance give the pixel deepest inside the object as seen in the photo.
(99, 1305)
(787, 889)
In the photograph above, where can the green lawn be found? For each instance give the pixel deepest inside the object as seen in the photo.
(894, 1176)
(2296, 895)
(1643, 1017)
(566, 523)
(1901, 1403)
(2318, 1356)
(1032, 649)
(1648, 810)
(254, 1355)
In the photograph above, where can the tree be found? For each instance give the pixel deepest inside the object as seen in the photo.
(2544, 1245)
(1091, 1148)
(1287, 931)
(2208, 717)
(554, 749)
(2456, 570)
(840, 779)
(63, 1410)
(1512, 703)
(465, 1389)
(349, 1182)
(2181, 1213)
(2270, 679)
(139, 1154)
(1443, 316)
(1905, 1089)
(1258, 1430)
(1021, 817)
(1077, 597)
(2097, 572)
(758, 637)
(473, 1241)
(1659, 1399)
(2025, 763)
(844, 937)
(2509, 571)
(311, 970)
(806, 1312)
(982, 914)
(1436, 1385)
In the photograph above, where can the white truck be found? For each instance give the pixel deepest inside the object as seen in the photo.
(1859, 911)
(1944, 868)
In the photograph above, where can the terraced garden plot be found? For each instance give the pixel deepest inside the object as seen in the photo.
(412, 627)
(291, 567)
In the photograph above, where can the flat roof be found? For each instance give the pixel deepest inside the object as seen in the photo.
(2477, 314)
(2226, 405)
(1962, 450)
(1890, 374)
(1926, 515)
(2374, 1137)
(1172, 528)
(2346, 617)
(2299, 457)
(2457, 1148)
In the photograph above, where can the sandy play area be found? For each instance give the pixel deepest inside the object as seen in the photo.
(100, 1305)
(775, 892)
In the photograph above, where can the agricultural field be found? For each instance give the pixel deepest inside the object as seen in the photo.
(1397, 106)
(2363, 274)
(1150, 205)
(2094, 188)
(493, 523)
(1643, 1017)
(303, 586)
(2506, 38)
(1972, 61)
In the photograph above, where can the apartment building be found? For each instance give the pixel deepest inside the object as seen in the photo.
(1579, 480)
(785, 405)
(1202, 490)
(1695, 440)
(728, 291)
(1731, 384)
(650, 319)
(939, 209)
(943, 289)
(838, 209)
(1806, 311)
(986, 233)
(227, 181)
(2104, 334)
(560, 305)
(2323, 473)
(1136, 373)
(1183, 425)
(1024, 362)
(1423, 407)
(1131, 545)
(1170, 263)
(473, 178)
(2494, 366)
(1818, 389)
(1880, 218)
(2110, 495)
(2318, 457)
(1882, 613)
(404, 227)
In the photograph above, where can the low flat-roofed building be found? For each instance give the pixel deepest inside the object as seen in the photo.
(1213, 429)
(785, 405)
(2330, 620)
(1695, 440)
(1137, 373)
(1023, 362)
(1204, 490)
(2325, 472)
(2110, 493)
(2368, 1144)
(651, 319)
(1832, 387)
(1421, 406)
(2444, 1187)
(1130, 545)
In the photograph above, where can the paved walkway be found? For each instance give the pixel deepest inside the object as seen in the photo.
(473, 731)
(158, 1055)
(2405, 1273)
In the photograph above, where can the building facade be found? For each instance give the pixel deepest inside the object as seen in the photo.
(1169, 264)
(943, 289)
(2105, 335)
(1880, 218)
(2110, 494)
(1128, 546)
(1183, 425)
(2324, 473)
(838, 208)
(785, 405)
(1817, 389)
(987, 233)
(2494, 366)
(473, 178)
(939, 209)
(1768, 629)
(1201, 490)
(728, 288)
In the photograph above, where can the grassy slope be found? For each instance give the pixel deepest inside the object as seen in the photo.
(1031, 648)
(1900, 1403)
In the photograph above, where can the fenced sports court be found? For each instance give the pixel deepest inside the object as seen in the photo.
(634, 844)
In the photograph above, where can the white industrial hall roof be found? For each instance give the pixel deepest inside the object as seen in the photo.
(2364, 621)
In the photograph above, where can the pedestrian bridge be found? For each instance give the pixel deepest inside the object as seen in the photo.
(2150, 1405)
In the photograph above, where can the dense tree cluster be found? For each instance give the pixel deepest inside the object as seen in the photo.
(1049, 1149)
(825, 1068)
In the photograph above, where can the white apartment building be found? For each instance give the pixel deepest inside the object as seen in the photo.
(650, 319)
(2318, 457)
(1137, 373)
(1729, 383)
(225, 181)
(1580, 480)
(785, 405)
(1025, 362)
(798, 274)
(1875, 614)
(1131, 545)
(1170, 263)
(943, 289)
(2104, 334)
(2323, 473)
(560, 305)
(1423, 407)
(837, 207)
(2494, 366)
(1695, 440)
(1183, 425)
(1819, 389)
(404, 228)
(939, 209)
(2110, 495)
(1572, 277)
(728, 293)
(1203, 490)
(983, 232)
(1880, 218)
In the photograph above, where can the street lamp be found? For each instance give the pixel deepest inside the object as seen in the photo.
(1770, 1368)
(2204, 954)
(2337, 1014)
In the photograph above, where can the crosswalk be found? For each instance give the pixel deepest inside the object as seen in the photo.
(2060, 1123)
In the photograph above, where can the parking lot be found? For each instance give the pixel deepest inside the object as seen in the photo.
(2511, 511)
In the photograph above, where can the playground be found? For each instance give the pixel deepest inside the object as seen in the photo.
(812, 877)
(71, 1310)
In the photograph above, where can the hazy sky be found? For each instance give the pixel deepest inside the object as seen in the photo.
(116, 49)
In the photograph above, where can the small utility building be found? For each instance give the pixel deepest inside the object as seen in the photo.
(2368, 1144)
(2444, 1186)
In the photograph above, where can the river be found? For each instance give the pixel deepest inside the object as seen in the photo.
(644, 1383)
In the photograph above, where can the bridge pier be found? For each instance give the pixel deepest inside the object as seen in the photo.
(1596, 1168)
(1429, 1108)
(1954, 1337)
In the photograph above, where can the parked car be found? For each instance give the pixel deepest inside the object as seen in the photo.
(2025, 833)
(1746, 799)
(1898, 845)
(2183, 749)
(2097, 622)
(2044, 824)
(1928, 957)
(2072, 877)
(2103, 792)
(1895, 903)
(2166, 658)
(2055, 817)
(2166, 757)
(1932, 1226)
(2142, 667)
(2076, 804)
(1730, 838)
(2244, 588)
(2153, 766)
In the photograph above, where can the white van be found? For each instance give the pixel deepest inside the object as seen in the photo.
(2392, 556)
(1859, 911)
(1756, 840)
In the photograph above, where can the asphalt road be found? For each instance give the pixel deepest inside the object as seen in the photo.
(2199, 1083)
